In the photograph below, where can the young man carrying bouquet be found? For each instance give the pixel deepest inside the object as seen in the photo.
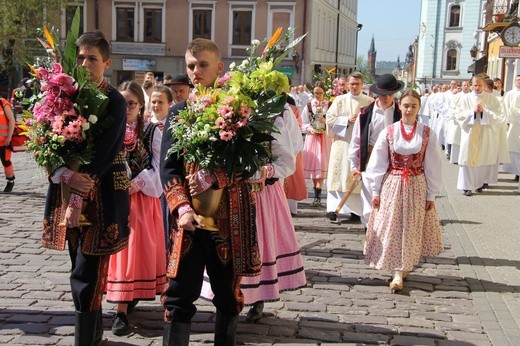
(228, 253)
(99, 190)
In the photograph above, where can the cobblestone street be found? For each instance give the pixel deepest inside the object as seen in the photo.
(469, 295)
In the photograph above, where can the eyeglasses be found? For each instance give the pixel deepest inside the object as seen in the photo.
(131, 104)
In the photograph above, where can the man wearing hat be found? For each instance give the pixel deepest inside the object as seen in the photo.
(180, 86)
(371, 121)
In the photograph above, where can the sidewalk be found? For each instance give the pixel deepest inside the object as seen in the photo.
(466, 296)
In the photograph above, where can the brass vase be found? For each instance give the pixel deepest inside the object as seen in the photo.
(65, 198)
(206, 205)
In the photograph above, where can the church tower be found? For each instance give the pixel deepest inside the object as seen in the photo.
(371, 61)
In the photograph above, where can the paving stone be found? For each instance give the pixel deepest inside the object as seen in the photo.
(366, 338)
(24, 328)
(376, 329)
(403, 340)
(459, 335)
(374, 311)
(310, 333)
(306, 307)
(422, 332)
(431, 316)
(35, 340)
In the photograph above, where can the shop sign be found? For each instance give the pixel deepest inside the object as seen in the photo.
(138, 65)
(509, 52)
(134, 48)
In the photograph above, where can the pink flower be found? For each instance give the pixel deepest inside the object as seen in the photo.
(244, 110)
(242, 123)
(220, 123)
(56, 67)
(225, 111)
(223, 80)
(42, 73)
(229, 99)
(226, 135)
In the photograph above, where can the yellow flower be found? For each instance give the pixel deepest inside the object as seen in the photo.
(48, 37)
(275, 38)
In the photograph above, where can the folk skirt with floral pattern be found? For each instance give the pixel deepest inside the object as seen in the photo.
(401, 231)
(139, 271)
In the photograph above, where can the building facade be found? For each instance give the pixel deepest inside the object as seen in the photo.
(448, 30)
(151, 35)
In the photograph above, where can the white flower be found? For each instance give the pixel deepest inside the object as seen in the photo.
(232, 65)
(85, 126)
(207, 127)
(255, 43)
(92, 118)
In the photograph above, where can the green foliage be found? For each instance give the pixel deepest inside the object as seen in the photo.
(22, 20)
(362, 67)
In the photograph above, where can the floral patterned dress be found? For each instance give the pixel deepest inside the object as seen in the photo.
(401, 230)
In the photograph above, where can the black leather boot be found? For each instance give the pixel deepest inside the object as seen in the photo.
(176, 334)
(85, 328)
(99, 328)
(225, 329)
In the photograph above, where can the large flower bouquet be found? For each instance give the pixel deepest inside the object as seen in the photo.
(67, 109)
(227, 126)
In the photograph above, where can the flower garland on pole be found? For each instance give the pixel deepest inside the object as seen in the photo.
(227, 126)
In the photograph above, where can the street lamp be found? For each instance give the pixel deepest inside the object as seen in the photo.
(359, 27)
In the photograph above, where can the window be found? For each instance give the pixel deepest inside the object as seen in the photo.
(242, 27)
(455, 16)
(202, 24)
(138, 21)
(125, 18)
(451, 60)
(152, 25)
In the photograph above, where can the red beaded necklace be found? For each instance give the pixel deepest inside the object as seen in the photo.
(408, 137)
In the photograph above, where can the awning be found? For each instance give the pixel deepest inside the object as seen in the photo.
(479, 66)
(497, 27)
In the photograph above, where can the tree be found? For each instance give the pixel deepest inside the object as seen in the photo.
(20, 25)
(362, 67)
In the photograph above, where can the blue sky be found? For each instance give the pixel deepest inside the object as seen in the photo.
(393, 23)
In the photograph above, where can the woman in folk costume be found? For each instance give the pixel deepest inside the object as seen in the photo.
(294, 185)
(139, 271)
(479, 114)
(316, 149)
(282, 263)
(404, 176)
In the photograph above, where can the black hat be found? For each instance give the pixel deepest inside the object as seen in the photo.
(181, 79)
(386, 85)
(26, 80)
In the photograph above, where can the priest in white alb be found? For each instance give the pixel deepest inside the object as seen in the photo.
(340, 121)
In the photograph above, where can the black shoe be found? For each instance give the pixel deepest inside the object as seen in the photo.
(354, 217)
(121, 325)
(9, 186)
(255, 313)
(468, 193)
(131, 306)
(332, 216)
(485, 186)
(517, 177)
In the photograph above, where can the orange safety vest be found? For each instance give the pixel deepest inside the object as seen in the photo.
(4, 123)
